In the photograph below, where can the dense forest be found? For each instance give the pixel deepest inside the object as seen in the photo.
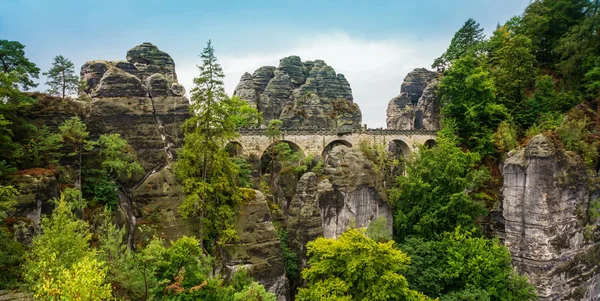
(538, 73)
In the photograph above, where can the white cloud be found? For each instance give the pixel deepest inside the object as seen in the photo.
(374, 68)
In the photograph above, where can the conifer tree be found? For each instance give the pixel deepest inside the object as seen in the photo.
(204, 165)
(61, 77)
(465, 40)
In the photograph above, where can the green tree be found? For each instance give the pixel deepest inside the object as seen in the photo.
(355, 267)
(118, 158)
(73, 133)
(208, 174)
(546, 21)
(466, 40)
(468, 96)
(461, 266)
(7, 201)
(61, 77)
(437, 192)
(16, 66)
(61, 257)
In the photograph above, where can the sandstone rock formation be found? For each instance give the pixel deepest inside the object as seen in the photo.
(417, 106)
(258, 248)
(346, 194)
(140, 99)
(301, 94)
(546, 208)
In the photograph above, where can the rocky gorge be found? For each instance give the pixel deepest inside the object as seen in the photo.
(546, 192)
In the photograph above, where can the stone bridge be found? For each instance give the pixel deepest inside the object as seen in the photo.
(317, 142)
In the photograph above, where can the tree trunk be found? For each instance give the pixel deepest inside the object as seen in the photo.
(64, 85)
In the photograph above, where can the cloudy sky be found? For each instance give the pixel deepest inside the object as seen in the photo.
(374, 43)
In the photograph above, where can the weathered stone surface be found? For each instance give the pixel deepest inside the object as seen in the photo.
(6, 295)
(258, 248)
(141, 100)
(417, 106)
(326, 205)
(545, 202)
(301, 94)
(148, 59)
(156, 205)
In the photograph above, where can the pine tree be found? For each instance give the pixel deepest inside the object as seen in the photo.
(204, 166)
(465, 40)
(61, 77)
(15, 65)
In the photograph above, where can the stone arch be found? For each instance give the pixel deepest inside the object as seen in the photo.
(266, 154)
(234, 149)
(333, 144)
(430, 143)
(399, 148)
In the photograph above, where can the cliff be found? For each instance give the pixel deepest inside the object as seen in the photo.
(551, 224)
(300, 93)
(417, 106)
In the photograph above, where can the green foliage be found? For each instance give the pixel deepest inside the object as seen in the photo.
(378, 230)
(100, 188)
(254, 292)
(7, 201)
(505, 138)
(467, 39)
(355, 267)
(593, 211)
(290, 258)
(14, 64)
(463, 267)
(546, 122)
(118, 157)
(61, 77)
(208, 174)
(575, 135)
(468, 97)
(436, 194)
(12, 255)
(61, 258)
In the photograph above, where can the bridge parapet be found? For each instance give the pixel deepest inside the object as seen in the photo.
(332, 132)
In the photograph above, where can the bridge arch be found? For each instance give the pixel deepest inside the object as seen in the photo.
(333, 144)
(399, 148)
(234, 148)
(430, 143)
(265, 158)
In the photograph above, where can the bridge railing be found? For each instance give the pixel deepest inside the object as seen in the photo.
(326, 131)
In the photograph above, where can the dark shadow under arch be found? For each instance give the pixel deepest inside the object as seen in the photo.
(430, 143)
(234, 148)
(265, 159)
(398, 148)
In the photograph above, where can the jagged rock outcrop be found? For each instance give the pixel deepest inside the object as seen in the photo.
(258, 247)
(141, 100)
(417, 106)
(548, 230)
(301, 94)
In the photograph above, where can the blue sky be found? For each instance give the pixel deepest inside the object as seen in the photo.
(374, 43)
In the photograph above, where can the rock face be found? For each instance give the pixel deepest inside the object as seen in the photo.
(140, 99)
(258, 248)
(325, 206)
(301, 94)
(417, 106)
(548, 229)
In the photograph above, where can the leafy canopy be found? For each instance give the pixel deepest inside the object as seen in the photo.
(355, 267)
